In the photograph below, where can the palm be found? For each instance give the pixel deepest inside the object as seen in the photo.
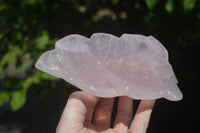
(97, 130)
(85, 113)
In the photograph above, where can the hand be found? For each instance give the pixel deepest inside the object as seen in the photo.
(85, 113)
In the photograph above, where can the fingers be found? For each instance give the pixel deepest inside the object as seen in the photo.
(79, 108)
(142, 116)
(124, 114)
(103, 113)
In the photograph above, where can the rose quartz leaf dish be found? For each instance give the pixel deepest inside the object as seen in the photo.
(107, 66)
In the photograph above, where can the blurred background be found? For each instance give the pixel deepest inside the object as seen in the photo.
(32, 101)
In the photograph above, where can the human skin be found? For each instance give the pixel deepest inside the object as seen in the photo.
(85, 113)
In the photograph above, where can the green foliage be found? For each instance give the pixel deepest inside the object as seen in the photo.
(4, 98)
(115, 1)
(188, 4)
(169, 6)
(151, 3)
(23, 38)
(43, 40)
(11, 56)
(18, 99)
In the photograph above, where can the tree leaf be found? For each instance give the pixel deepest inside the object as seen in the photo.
(10, 56)
(3, 7)
(188, 4)
(169, 6)
(115, 1)
(43, 40)
(18, 99)
(4, 98)
(151, 3)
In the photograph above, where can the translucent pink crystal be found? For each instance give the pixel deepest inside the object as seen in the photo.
(108, 66)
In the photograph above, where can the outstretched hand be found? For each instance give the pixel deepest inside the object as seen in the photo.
(85, 113)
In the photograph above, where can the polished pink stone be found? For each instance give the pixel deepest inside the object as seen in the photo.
(107, 66)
